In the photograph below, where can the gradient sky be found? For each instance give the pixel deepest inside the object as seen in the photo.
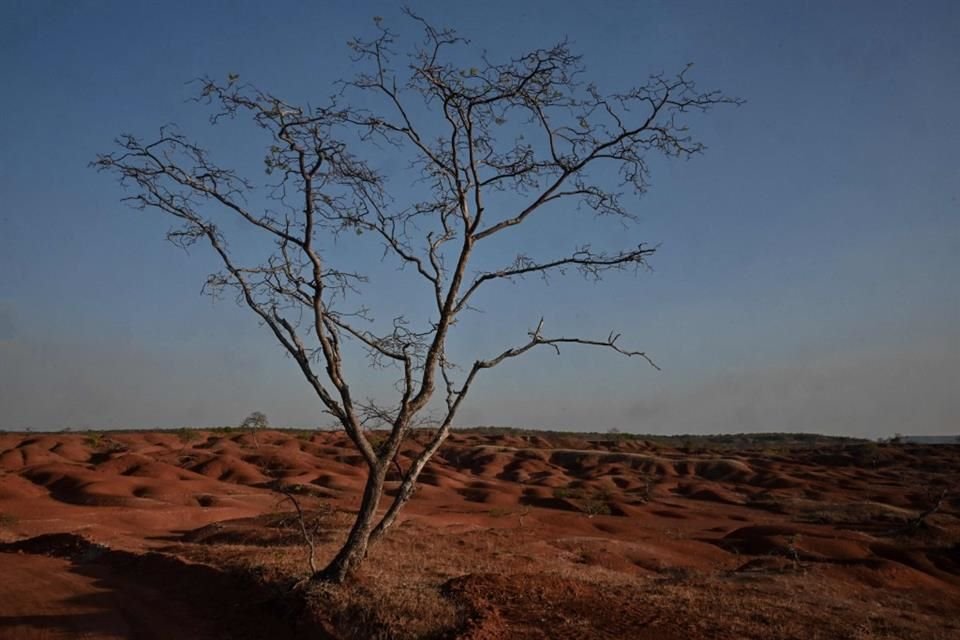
(809, 264)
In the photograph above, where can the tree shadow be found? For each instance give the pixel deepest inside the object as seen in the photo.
(151, 596)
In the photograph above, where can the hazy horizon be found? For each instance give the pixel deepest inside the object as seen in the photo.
(807, 273)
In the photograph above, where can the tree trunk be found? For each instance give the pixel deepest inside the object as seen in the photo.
(409, 482)
(406, 492)
(354, 550)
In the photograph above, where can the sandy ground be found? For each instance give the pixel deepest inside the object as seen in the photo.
(161, 535)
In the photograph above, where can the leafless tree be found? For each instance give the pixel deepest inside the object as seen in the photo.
(526, 130)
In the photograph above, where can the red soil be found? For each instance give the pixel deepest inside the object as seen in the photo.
(523, 537)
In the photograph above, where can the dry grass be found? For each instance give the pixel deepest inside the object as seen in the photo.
(396, 596)
(658, 569)
(399, 594)
(385, 606)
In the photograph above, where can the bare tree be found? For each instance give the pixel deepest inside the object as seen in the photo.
(526, 130)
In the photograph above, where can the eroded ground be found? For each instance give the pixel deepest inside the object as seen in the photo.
(184, 535)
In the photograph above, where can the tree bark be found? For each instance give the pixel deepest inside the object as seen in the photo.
(408, 482)
(354, 550)
(406, 492)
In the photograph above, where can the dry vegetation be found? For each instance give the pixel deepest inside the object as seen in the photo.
(512, 535)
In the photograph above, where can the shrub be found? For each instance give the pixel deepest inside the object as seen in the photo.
(596, 507)
(603, 493)
(564, 493)
(227, 430)
(93, 439)
(187, 435)
(254, 422)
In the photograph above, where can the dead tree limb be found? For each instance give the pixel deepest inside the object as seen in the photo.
(305, 532)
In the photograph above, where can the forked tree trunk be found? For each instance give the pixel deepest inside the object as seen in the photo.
(406, 492)
(408, 482)
(354, 550)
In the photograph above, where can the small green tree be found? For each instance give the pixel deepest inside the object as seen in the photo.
(255, 422)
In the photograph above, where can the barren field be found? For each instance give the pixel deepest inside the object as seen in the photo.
(184, 535)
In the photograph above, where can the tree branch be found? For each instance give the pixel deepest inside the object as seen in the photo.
(586, 261)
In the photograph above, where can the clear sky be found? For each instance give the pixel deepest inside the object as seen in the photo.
(809, 265)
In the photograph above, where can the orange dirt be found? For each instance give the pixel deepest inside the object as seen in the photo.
(184, 535)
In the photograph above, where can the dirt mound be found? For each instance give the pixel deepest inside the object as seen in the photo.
(561, 536)
(136, 595)
(62, 545)
(228, 468)
(709, 492)
(267, 530)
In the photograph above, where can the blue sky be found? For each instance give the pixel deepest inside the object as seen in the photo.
(807, 277)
